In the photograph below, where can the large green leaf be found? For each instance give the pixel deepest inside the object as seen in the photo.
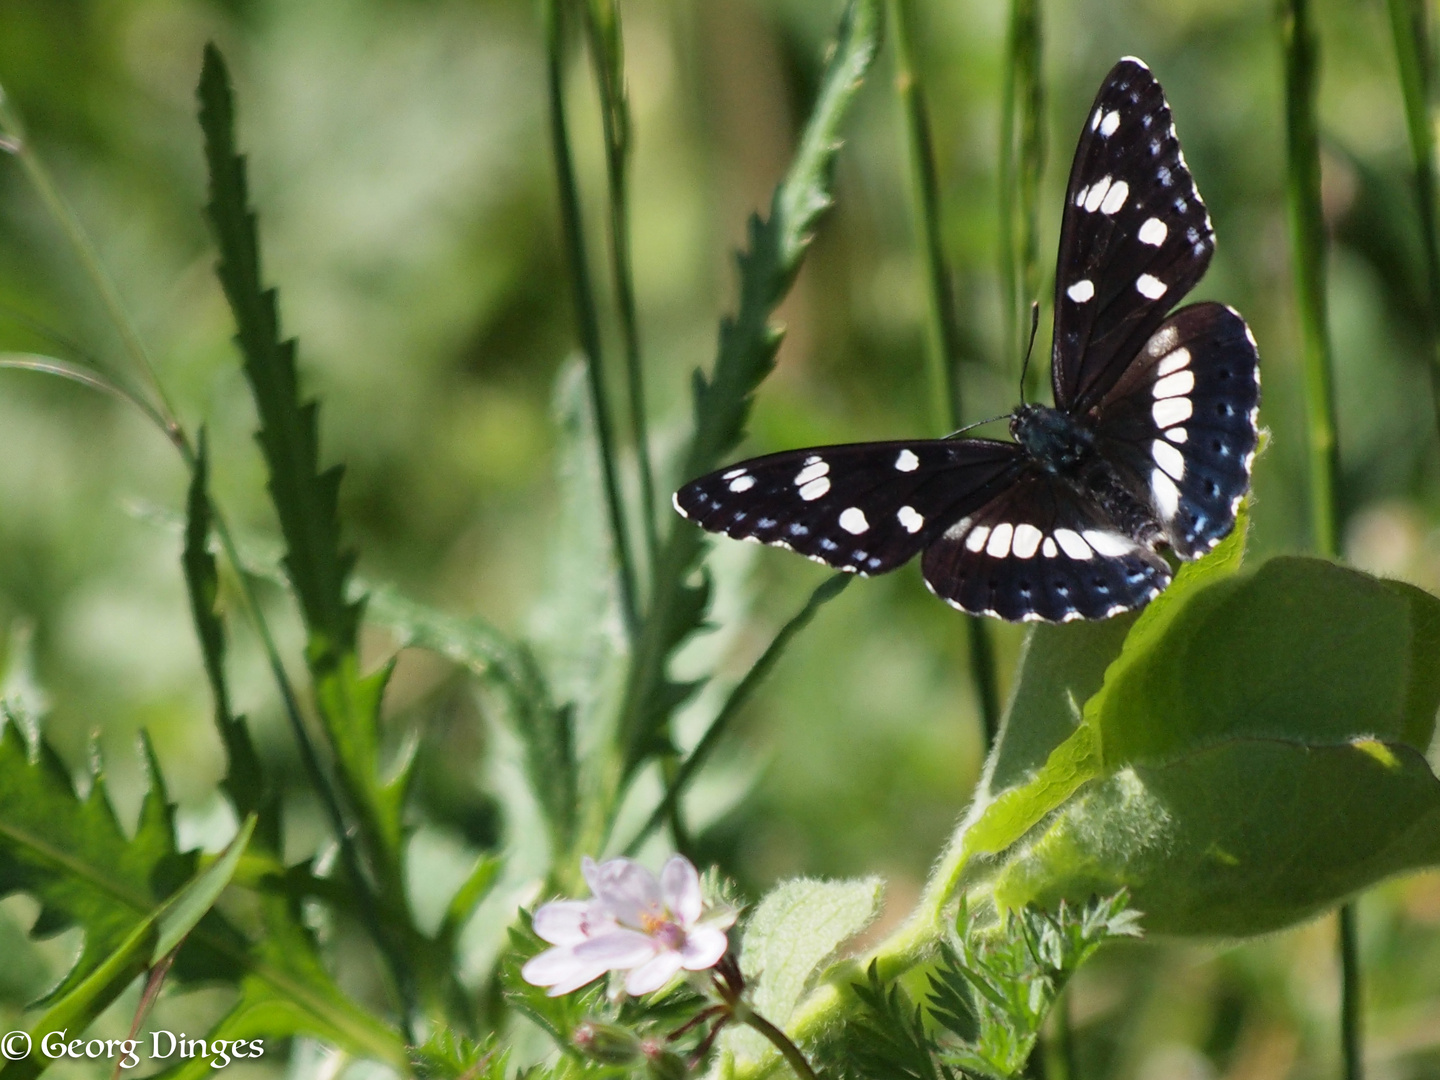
(1255, 755)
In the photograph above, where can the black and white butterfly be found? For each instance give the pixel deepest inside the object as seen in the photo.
(1150, 442)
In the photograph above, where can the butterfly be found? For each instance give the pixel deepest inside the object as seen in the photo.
(1149, 445)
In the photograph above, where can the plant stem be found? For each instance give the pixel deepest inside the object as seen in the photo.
(1059, 1049)
(1307, 229)
(587, 318)
(777, 1038)
(943, 337)
(1307, 237)
(607, 48)
(1351, 1033)
(1409, 20)
(1022, 166)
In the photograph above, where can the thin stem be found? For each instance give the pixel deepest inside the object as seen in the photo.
(1409, 20)
(85, 376)
(1307, 229)
(586, 315)
(777, 1038)
(13, 139)
(943, 337)
(1307, 234)
(607, 47)
(1060, 1047)
(1351, 1035)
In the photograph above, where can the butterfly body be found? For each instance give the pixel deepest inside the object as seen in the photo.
(1149, 444)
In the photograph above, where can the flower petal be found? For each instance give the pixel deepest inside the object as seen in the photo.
(681, 885)
(562, 922)
(628, 890)
(581, 977)
(617, 949)
(654, 974)
(703, 948)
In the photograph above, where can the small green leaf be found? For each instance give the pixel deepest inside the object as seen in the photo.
(794, 931)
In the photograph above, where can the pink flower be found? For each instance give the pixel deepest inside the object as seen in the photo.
(652, 929)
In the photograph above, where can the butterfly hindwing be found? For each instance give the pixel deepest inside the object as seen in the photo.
(862, 507)
(1041, 552)
(1134, 240)
(1182, 424)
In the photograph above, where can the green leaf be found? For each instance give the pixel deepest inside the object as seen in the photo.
(243, 781)
(746, 355)
(153, 938)
(1258, 757)
(795, 930)
(71, 855)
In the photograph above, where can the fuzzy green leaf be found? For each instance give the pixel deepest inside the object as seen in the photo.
(1246, 775)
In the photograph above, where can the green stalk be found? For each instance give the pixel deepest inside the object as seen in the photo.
(607, 47)
(943, 338)
(1307, 231)
(1409, 20)
(1022, 167)
(587, 317)
(12, 139)
(1308, 243)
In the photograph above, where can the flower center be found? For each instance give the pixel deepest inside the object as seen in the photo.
(660, 926)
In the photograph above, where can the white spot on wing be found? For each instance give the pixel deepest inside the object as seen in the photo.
(1109, 544)
(1097, 194)
(812, 471)
(1167, 495)
(911, 518)
(1171, 411)
(978, 535)
(1095, 120)
(1150, 287)
(1172, 363)
(1073, 544)
(1177, 385)
(733, 473)
(1049, 549)
(813, 459)
(852, 520)
(1177, 435)
(1109, 124)
(1168, 458)
(1027, 540)
(1080, 196)
(815, 488)
(1163, 341)
(743, 482)
(675, 502)
(1153, 232)
(907, 461)
(999, 545)
(1115, 198)
(1081, 291)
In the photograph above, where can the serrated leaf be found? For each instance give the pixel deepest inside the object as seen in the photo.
(1257, 759)
(746, 354)
(795, 930)
(152, 939)
(243, 781)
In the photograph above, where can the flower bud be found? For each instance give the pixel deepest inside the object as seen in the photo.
(662, 1064)
(608, 1044)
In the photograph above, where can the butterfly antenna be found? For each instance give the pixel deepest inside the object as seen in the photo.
(977, 423)
(1034, 326)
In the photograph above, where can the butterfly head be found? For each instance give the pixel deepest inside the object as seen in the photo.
(1052, 437)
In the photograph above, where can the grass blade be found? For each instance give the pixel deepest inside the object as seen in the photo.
(1410, 22)
(586, 317)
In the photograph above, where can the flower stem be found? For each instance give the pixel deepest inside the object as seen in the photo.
(777, 1038)
(1351, 1035)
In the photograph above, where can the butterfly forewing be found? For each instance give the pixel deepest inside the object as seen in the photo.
(1040, 551)
(1134, 240)
(863, 507)
(1182, 424)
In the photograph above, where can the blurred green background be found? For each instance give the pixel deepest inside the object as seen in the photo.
(407, 209)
